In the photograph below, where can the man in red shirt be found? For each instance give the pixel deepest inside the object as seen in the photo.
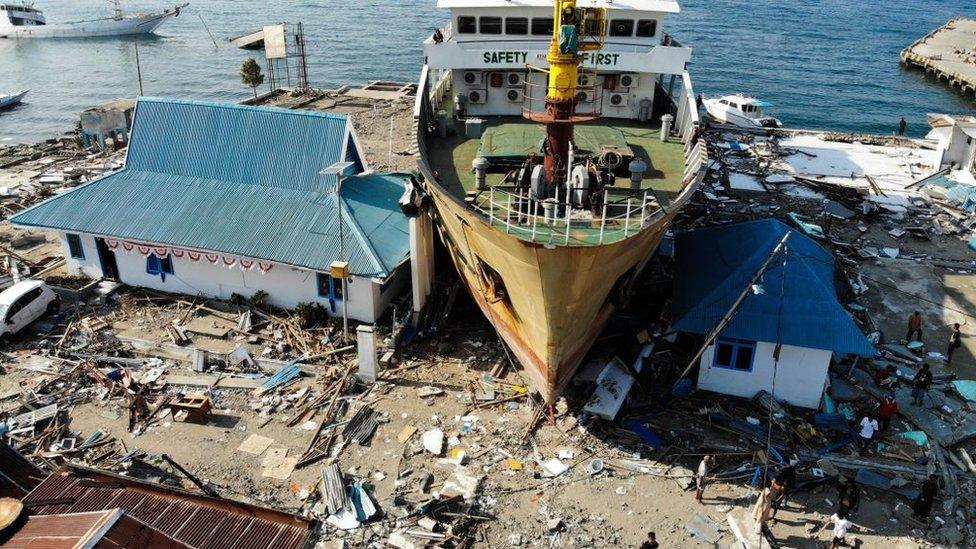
(889, 408)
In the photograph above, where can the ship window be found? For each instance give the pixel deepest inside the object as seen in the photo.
(622, 27)
(646, 27)
(467, 25)
(542, 26)
(490, 25)
(516, 25)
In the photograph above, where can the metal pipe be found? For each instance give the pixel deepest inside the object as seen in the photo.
(534, 207)
(603, 221)
(491, 206)
(508, 214)
(627, 222)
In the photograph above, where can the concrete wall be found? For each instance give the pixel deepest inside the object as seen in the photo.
(800, 378)
(286, 286)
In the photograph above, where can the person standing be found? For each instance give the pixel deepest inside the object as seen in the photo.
(914, 327)
(889, 408)
(650, 542)
(785, 482)
(869, 426)
(848, 496)
(921, 384)
(922, 506)
(842, 524)
(763, 510)
(702, 476)
(902, 124)
(954, 342)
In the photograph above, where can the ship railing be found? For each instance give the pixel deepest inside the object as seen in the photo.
(687, 119)
(552, 221)
(589, 97)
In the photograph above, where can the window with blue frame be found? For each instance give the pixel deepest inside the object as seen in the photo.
(74, 246)
(734, 354)
(160, 267)
(329, 287)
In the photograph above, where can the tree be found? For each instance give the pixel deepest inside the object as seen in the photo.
(251, 74)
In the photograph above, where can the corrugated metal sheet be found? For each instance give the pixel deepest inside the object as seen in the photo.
(17, 475)
(196, 521)
(714, 265)
(241, 181)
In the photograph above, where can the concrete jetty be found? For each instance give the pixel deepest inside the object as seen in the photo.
(948, 53)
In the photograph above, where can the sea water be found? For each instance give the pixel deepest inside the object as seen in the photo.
(829, 64)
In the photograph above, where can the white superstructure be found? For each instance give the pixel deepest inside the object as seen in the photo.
(740, 110)
(26, 21)
(488, 44)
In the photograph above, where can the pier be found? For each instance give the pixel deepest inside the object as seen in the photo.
(948, 53)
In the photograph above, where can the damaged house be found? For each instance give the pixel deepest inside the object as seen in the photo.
(220, 199)
(794, 305)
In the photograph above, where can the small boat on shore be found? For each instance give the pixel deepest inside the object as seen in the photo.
(740, 110)
(12, 99)
(25, 21)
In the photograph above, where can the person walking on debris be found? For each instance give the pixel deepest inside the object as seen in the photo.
(902, 124)
(921, 384)
(763, 510)
(922, 506)
(889, 408)
(702, 476)
(848, 496)
(954, 342)
(869, 426)
(842, 523)
(650, 542)
(785, 482)
(914, 327)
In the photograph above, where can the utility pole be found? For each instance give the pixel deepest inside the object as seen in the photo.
(340, 268)
(138, 68)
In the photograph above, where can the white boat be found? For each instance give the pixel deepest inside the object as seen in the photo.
(740, 110)
(12, 99)
(26, 21)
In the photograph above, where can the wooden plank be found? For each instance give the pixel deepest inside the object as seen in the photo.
(203, 380)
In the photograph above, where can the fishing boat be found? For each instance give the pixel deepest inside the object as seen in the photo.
(25, 21)
(740, 110)
(557, 139)
(12, 99)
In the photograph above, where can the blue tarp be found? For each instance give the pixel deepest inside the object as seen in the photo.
(714, 265)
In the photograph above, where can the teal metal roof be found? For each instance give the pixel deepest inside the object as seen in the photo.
(239, 180)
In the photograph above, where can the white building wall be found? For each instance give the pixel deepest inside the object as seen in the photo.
(286, 286)
(800, 377)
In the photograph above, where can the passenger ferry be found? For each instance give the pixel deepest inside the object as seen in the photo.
(26, 21)
(558, 139)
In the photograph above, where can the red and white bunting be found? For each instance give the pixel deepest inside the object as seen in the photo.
(264, 267)
(162, 251)
(246, 264)
(213, 258)
(112, 244)
(229, 261)
(194, 256)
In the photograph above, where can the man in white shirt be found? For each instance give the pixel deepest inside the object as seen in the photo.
(869, 426)
(842, 524)
(700, 477)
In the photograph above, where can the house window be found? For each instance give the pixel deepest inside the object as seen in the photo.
(490, 25)
(516, 25)
(542, 26)
(467, 25)
(74, 246)
(734, 354)
(157, 266)
(646, 27)
(622, 27)
(329, 287)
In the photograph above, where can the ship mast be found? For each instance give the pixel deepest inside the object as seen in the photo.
(574, 32)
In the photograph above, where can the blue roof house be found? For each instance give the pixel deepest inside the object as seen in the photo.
(217, 199)
(793, 304)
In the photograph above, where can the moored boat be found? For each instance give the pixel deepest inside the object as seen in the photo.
(26, 21)
(9, 100)
(740, 110)
(557, 140)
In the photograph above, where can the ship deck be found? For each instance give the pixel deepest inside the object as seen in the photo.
(451, 158)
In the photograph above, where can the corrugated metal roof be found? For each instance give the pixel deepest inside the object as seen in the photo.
(713, 266)
(242, 181)
(195, 520)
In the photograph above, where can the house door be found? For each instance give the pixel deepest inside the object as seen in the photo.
(106, 257)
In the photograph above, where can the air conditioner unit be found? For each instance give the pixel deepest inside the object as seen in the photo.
(585, 96)
(618, 99)
(629, 81)
(585, 80)
(515, 79)
(473, 79)
(514, 95)
(477, 97)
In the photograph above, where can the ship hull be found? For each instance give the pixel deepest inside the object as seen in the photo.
(557, 299)
(145, 24)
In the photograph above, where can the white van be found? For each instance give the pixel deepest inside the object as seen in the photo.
(25, 302)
